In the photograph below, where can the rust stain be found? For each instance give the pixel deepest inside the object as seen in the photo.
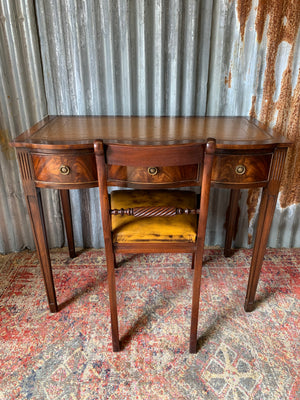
(283, 25)
(284, 22)
(261, 16)
(243, 10)
(228, 79)
(250, 237)
(290, 124)
(6, 149)
(252, 112)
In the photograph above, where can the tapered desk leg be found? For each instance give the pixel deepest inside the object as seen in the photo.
(266, 212)
(35, 210)
(66, 206)
(231, 222)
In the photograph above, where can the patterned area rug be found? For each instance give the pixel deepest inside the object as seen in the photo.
(68, 355)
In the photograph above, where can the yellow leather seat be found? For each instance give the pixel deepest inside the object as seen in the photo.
(135, 233)
(127, 229)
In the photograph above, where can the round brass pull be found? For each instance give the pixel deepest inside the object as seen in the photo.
(64, 170)
(240, 169)
(152, 171)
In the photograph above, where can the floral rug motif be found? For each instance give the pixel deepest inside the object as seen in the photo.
(68, 355)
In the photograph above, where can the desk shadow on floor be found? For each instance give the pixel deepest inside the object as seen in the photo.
(82, 291)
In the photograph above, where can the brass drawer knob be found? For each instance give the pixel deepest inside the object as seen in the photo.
(64, 170)
(152, 171)
(240, 169)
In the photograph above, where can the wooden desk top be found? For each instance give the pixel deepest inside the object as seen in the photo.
(62, 132)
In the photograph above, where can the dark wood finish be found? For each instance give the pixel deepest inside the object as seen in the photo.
(139, 156)
(148, 212)
(65, 169)
(109, 250)
(197, 262)
(266, 211)
(231, 222)
(65, 132)
(183, 176)
(35, 210)
(129, 165)
(169, 155)
(148, 248)
(66, 206)
(244, 169)
(58, 141)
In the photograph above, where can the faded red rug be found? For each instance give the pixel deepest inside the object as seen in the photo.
(68, 355)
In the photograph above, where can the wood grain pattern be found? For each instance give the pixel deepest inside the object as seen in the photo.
(278, 161)
(82, 168)
(35, 211)
(25, 165)
(68, 141)
(256, 168)
(152, 155)
(80, 132)
(139, 158)
(265, 217)
(184, 175)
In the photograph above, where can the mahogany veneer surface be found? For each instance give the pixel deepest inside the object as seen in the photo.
(63, 130)
(58, 152)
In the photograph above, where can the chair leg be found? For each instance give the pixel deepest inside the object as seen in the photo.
(204, 200)
(66, 206)
(231, 221)
(193, 261)
(195, 301)
(110, 261)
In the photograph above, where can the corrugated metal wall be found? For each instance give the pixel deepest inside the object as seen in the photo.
(135, 57)
(22, 102)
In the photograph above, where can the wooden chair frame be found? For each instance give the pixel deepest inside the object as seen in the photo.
(110, 159)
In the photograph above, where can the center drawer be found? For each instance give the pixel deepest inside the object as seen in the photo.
(179, 175)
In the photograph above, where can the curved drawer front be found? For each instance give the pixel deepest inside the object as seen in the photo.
(65, 169)
(153, 175)
(241, 169)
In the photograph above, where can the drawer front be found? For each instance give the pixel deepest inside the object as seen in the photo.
(241, 169)
(153, 175)
(68, 169)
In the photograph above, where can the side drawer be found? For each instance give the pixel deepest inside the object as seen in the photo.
(241, 169)
(65, 169)
(154, 175)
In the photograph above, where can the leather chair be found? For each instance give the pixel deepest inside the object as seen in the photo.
(154, 217)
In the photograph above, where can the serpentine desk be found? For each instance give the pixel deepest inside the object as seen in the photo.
(58, 153)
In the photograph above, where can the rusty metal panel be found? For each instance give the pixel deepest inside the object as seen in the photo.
(149, 57)
(22, 103)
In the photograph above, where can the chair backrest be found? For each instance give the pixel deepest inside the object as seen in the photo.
(154, 166)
